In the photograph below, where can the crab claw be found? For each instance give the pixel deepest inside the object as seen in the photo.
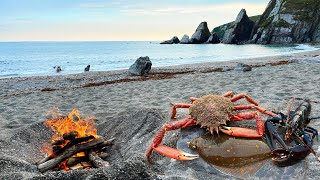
(240, 132)
(175, 153)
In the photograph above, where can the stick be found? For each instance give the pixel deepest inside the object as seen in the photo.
(68, 153)
(71, 143)
(97, 161)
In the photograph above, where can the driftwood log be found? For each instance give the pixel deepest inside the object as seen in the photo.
(68, 152)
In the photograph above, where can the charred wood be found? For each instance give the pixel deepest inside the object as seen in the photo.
(67, 153)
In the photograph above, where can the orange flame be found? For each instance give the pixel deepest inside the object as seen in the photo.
(60, 125)
(73, 122)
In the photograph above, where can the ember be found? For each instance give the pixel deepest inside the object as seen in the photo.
(75, 143)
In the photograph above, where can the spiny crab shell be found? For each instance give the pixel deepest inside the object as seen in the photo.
(211, 111)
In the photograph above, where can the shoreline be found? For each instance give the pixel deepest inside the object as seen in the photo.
(22, 85)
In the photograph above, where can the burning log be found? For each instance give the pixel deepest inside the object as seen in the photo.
(70, 135)
(43, 167)
(75, 160)
(71, 143)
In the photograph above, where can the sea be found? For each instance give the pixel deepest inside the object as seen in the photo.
(19, 59)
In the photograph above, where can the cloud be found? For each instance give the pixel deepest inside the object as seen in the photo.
(175, 10)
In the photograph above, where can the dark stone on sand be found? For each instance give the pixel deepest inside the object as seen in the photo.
(226, 68)
(141, 67)
(87, 68)
(173, 40)
(242, 67)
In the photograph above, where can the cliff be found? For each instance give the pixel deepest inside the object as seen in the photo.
(288, 21)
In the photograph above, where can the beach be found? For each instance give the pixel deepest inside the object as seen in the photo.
(133, 108)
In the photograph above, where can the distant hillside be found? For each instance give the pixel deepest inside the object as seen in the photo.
(220, 30)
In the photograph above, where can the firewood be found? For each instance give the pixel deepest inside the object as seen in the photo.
(103, 155)
(75, 160)
(71, 143)
(43, 167)
(97, 161)
(76, 167)
(56, 148)
(57, 142)
(70, 135)
(106, 143)
(86, 164)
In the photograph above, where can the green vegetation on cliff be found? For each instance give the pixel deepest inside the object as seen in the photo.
(220, 30)
(303, 9)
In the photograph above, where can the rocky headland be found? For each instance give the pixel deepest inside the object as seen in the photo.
(282, 22)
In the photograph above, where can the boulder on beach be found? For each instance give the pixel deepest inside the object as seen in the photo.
(202, 34)
(141, 66)
(173, 40)
(242, 67)
(185, 39)
(213, 39)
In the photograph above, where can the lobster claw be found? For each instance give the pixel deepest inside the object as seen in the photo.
(272, 137)
(282, 155)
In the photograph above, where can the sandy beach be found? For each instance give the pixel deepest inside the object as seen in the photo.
(132, 109)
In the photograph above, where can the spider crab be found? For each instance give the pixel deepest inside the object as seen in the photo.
(212, 112)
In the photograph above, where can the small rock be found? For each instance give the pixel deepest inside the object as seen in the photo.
(226, 68)
(242, 67)
(141, 66)
(87, 68)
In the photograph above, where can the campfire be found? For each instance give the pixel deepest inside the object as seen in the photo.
(75, 143)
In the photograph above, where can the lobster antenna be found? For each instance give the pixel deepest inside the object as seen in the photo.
(288, 132)
(309, 148)
(298, 98)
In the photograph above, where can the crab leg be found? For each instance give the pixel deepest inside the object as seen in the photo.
(227, 94)
(251, 106)
(241, 96)
(245, 132)
(192, 99)
(178, 105)
(168, 151)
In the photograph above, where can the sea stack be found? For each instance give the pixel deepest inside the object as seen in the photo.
(201, 35)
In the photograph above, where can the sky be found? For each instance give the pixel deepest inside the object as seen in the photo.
(115, 20)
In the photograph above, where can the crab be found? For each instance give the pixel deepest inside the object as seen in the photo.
(211, 112)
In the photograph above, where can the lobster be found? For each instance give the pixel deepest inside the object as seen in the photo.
(289, 137)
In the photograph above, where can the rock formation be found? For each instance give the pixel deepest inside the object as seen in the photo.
(242, 67)
(213, 39)
(240, 30)
(141, 66)
(173, 40)
(288, 21)
(185, 40)
(201, 35)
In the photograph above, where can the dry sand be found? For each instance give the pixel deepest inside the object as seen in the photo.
(133, 109)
